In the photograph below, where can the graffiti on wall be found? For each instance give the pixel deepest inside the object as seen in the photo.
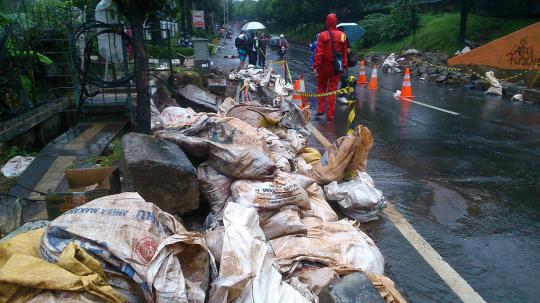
(522, 54)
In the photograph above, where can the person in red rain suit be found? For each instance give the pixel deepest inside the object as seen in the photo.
(323, 65)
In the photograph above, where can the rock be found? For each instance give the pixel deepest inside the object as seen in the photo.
(517, 97)
(440, 78)
(196, 98)
(481, 84)
(466, 80)
(162, 98)
(511, 89)
(318, 279)
(531, 95)
(148, 163)
(433, 77)
(352, 288)
(411, 51)
(432, 70)
(422, 69)
(451, 81)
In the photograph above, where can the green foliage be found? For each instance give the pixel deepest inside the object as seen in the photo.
(188, 76)
(185, 51)
(373, 24)
(14, 151)
(439, 32)
(199, 33)
(400, 22)
(162, 52)
(113, 154)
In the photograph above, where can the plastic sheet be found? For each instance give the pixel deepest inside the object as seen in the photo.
(110, 45)
(390, 64)
(16, 166)
(358, 198)
(173, 116)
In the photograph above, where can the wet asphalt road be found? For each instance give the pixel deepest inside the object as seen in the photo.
(468, 183)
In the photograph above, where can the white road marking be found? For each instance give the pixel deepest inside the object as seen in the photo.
(431, 106)
(460, 287)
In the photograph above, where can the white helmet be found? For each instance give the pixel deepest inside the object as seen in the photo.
(282, 36)
(241, 36)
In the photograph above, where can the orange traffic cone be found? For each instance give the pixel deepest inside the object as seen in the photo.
(373, 84)
(303, 90)
(406, 88)
(362, 74)
(297, 90)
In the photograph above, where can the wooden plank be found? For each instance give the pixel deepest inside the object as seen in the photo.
(48, 182)
(317, 134)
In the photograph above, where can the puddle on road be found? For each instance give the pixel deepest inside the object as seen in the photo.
(448, 205)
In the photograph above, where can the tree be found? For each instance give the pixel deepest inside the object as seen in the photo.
(464, 15)
(136, 12)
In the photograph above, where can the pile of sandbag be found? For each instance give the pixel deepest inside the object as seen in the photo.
(271, 236)
(252, 160)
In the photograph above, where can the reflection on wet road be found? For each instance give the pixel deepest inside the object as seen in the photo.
(463, 168)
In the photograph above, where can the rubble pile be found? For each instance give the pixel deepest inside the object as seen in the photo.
(433, 67)
(270, 234)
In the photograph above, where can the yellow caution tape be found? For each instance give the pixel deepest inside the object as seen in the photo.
(350, 118)
(344, 90)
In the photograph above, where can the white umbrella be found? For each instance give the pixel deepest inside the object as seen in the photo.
(251, 26)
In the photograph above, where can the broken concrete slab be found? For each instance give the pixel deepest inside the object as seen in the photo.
(218, 86)
(356, 287)
(150, 162)
(196, 98)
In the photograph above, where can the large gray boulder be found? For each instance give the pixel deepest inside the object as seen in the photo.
(352, 288)
(160, 172)
(196, 98)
